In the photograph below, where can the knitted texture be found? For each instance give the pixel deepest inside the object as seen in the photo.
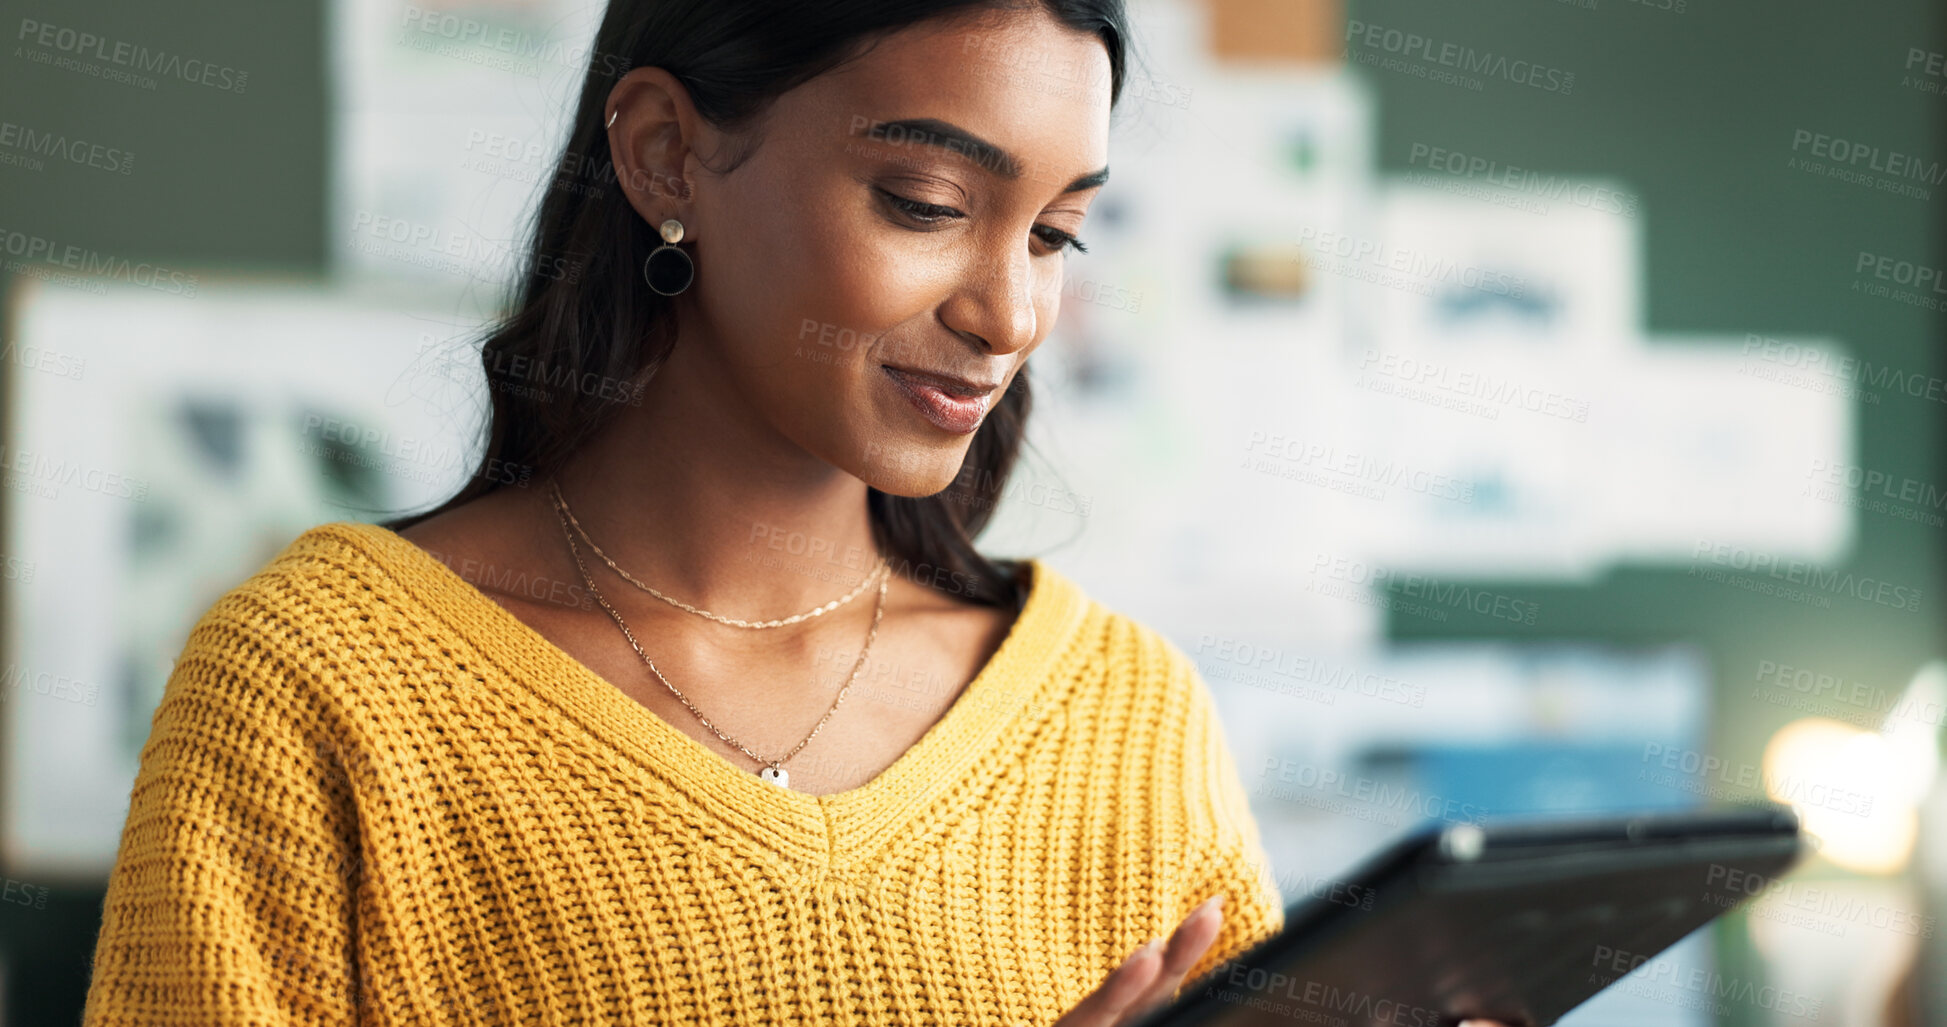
(372, 795)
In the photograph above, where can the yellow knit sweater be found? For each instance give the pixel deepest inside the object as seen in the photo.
(372, 795)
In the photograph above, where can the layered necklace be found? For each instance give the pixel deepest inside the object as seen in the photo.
(771, 770)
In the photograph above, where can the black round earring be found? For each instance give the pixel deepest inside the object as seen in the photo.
(668, 269)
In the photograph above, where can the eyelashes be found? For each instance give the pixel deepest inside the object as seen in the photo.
(933, 213)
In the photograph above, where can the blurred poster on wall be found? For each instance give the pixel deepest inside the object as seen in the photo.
(194, 439)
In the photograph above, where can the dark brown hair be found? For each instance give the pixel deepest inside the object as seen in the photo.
(581, 313)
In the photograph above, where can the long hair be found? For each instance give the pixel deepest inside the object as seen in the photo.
(581, 313)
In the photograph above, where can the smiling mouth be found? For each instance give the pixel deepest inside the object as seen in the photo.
(953, 405)
(949, 384)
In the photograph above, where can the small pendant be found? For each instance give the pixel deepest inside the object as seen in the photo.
(777, 776)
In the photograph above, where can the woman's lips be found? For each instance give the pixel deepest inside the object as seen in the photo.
(948, 411)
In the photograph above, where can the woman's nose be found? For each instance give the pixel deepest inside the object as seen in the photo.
(996, 305)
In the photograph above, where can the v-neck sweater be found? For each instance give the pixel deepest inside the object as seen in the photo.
(373, 795)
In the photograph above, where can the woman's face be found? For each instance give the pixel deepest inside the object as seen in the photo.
(901, 217)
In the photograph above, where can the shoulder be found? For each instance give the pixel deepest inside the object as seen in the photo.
(1148, 697)
(306, 609)
(327, 567)
(1130, 654)
(1149, 703)
(268, 671)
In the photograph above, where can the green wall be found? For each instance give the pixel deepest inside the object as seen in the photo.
(221, 178)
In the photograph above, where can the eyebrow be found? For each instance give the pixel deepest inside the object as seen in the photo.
(948, 136)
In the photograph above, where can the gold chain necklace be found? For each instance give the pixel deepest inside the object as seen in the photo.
(773, 770)
(561, 504)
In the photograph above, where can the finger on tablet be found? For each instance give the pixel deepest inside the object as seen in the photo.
(1187, 944)
(1109, 1003)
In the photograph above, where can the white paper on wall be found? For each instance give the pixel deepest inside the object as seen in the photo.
(450, 118)
(1698, 450)
(1454, 261)
(202, 435)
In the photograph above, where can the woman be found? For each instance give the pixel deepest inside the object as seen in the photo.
(574, 746)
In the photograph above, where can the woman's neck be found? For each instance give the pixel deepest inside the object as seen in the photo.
(695, 495)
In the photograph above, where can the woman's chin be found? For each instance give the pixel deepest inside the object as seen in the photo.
(914, 487)
(896, 464)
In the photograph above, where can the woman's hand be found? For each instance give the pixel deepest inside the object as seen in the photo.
(1150, 976)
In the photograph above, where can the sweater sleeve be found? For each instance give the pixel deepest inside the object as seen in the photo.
(231, 898)
(1229, 855)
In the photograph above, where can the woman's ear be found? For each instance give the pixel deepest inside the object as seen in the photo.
(652, 131)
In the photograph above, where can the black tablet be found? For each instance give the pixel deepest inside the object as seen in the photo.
(1517, 921)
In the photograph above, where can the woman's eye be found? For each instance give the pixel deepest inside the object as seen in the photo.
(929, 213)
(1058, 239)
(933, 213)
